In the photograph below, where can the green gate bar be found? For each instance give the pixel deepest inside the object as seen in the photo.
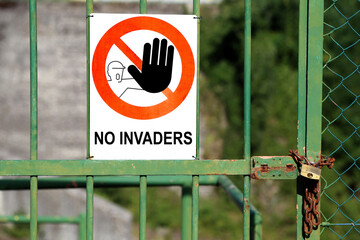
(123, 167)
(143, 178)
(143, 198)
(89, 207)
(33, 116)
(195, 179)
(195, 207)
(309, 94)
(314, 84)
(186, 208)
(247, 116)
(89, 178)
(301, 132)
(105, 182)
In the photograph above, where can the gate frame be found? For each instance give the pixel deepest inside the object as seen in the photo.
(309, 133)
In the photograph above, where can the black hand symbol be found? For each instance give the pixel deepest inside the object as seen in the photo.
(154, 77)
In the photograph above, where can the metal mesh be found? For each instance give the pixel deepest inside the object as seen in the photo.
(340, 206)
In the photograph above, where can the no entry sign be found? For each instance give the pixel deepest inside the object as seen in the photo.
(143, 86)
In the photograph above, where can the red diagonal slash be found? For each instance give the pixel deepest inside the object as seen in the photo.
(136, 60)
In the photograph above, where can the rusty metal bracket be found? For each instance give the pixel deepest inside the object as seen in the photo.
(274, 167)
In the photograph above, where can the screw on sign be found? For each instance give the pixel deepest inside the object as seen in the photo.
(152, 73)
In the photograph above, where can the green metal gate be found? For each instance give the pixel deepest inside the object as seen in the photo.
(144, 172)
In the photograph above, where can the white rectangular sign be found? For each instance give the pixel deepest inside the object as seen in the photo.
(143, 86)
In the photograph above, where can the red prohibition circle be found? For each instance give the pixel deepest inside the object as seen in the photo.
(112, 36)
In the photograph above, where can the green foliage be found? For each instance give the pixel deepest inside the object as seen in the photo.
(274, 73)
(17, 230)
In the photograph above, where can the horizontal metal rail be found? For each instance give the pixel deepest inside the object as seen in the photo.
(104, 182)
(41, 219)
(123, 167)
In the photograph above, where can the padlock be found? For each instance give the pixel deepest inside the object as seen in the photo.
(310, 172)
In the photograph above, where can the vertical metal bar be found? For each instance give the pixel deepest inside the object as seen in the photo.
(247, 116)
(301, 134)
(257, 227)
(143, 179)
(314, 86)
(315, 71)
(33, 207)
(143, 6)
(142, 225)
(246, 210)
(89, 207)
(186, 210)
(89, 179)
(195, 208)
(195, 179)
(33, 117)
(196, 11)
(33, 82)
(309, 93)
(82, 226)
(89, 10)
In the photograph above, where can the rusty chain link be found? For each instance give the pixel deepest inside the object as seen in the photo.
(312, 216)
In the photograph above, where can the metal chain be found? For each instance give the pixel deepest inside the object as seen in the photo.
(312, 215)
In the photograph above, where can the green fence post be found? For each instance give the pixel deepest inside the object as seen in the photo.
(309, 94)
(89, 179)
(247, 115)
(314, 83)
(33, 117)
(143, 6)
(195, 179)
(89, 207)
(195, 208)
(186, 210)
(142, 225)
(256, 226)
(301, 132)
(82, 226)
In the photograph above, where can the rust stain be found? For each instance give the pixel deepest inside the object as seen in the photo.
(264, 168)
(74, 184)
(290, 167)
(254, 175)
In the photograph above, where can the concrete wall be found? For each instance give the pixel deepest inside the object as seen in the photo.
(110, 221)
